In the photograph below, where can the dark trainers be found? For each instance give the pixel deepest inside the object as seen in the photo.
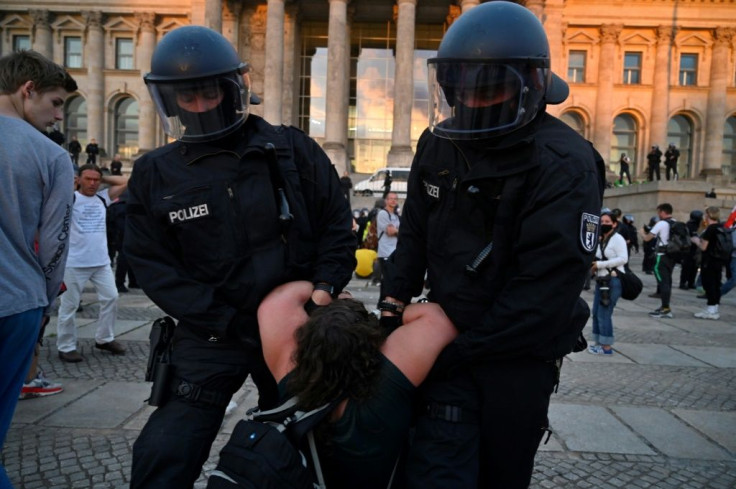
(71, 356)
(662, 312)
(39, 387)
(112, 346)
(656, 295)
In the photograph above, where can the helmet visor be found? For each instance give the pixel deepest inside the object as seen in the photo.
(201, 110)
(477, 99)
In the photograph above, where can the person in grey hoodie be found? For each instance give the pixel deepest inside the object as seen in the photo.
(36, 182)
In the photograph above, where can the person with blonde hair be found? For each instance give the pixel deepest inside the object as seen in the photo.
(711, 265)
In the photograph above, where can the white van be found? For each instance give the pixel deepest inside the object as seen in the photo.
(374, 185)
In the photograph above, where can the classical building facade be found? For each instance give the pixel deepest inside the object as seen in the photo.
(352, 73)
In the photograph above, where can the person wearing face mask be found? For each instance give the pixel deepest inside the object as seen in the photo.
(214, 221)
(502, 214)
(611, 256)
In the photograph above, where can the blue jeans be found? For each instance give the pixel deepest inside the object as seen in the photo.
(602, 315)
(729, 284)
(18, 337)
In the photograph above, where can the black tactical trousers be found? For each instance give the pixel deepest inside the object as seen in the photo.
(176, 440)
(481, 429)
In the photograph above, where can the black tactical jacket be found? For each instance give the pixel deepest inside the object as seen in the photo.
(536, 195)
(203, 232)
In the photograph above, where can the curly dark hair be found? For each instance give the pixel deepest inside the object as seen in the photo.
(337, 353)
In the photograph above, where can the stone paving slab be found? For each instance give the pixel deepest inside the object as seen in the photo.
(653, 354)
(139, 333)
(106, 406)
(594, 429)
(706, 327)
(86, 327)
(35, 410)
(53, 321)
(718, 426)
(712, 355)
(668, 434)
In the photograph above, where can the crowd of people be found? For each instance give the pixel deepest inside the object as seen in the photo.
(701, 265)
(242, 232)
(654, 162)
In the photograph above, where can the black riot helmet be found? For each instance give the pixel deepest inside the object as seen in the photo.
(199, 84)
(696, 215)
(492, 73)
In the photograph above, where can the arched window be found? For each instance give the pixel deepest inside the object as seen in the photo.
(575, 121)
(728, 163)
(624, 140)
(126, 127)
(75, 120)
(680, 132)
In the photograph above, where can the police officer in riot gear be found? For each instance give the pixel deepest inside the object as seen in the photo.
(654, 157)
(217, 219)
(503, 214)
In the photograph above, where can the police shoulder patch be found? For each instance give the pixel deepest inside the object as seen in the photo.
(589, 224)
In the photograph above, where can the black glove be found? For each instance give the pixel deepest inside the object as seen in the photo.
(390, 323)
(311, 306)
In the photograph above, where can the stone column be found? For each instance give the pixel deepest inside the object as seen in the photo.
(253, 49)
(400, 153)
(466, 5)
(213, 14)
(336, 104)
(42, 33)
(453, 12)
(231, 22)
(716, 113)
(197, 12)
(95, 56)
(289, 97)
(274, 69)
(603, 107)
(537, 8)
(551, 17)
(660, 95)
(147, 112)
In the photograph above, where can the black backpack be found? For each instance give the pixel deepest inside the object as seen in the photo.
(267, 450)
(679, 242)
(722, 245)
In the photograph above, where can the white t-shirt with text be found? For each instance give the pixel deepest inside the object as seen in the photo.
(88, 240)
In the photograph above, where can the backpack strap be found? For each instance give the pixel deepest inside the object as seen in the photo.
(297, 424)
(660, 243)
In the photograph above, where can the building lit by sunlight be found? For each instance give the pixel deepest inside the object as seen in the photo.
(353, 74)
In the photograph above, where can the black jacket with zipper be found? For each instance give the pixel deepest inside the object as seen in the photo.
(203, 233)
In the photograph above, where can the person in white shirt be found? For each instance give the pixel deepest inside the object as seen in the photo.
(611, 256)
(89, 261)
(664, 264)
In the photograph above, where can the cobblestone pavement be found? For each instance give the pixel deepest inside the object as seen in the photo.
(670, 387)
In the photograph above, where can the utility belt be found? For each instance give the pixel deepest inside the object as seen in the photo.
(457, 414)
(160, 371)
